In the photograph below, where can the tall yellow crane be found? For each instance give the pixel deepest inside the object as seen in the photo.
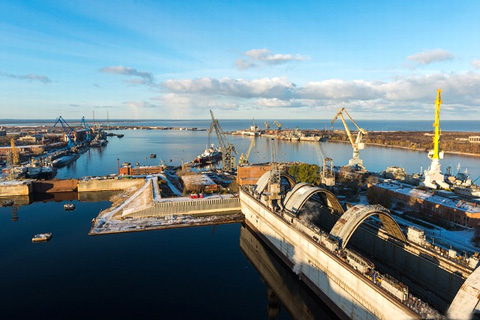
(14, 150)
(244, 158)
(357, 144)
(435, 153)
(433, 176)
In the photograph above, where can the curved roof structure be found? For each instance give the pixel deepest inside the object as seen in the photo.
(355, 216)
(299, 195)
(468, 297)
(263, 181)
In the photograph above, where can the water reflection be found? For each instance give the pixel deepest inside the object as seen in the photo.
(283, 286)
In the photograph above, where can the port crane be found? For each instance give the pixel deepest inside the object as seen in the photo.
(15, 160)
(87, 129)
(244, 158)
(433, 176)
(228, 149)
(327, 175)
(278, 124)
(357, 144)
(67, 130)
(267, 125)
(254, 128)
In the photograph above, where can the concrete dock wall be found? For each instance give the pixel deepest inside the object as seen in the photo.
(349, 293)
(53, 186)
(15, 188)
(193, 207)
(109, 184)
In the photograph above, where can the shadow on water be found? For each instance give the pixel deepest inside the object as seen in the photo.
(283, 285)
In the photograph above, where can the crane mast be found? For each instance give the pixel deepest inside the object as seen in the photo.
(66, 129)
(267, 125)
(244, 158)
(228, 150)
(327, 174)
(433, 176)
(357, 144)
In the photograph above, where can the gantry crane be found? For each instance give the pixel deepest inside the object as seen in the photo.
(357, 144)
(267, 125)
(327, 174)
(244, 158)
(69, 132)
(278, 124)
(228, 150)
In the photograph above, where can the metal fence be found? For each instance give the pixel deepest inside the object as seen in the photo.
(193, 207)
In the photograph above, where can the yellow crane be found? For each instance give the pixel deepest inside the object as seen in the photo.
(433, 176)
(244, 158)
(15, 156)
(435, 153)
(278, 124)
(357, 144)
(267, 125)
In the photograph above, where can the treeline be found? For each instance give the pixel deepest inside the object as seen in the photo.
(417, 140)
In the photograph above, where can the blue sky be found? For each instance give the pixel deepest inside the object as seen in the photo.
(266, 59)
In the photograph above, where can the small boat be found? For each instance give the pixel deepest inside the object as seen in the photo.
(120, 135)
(8, 203)
(69, 206)
(42, 237)
(153, 156)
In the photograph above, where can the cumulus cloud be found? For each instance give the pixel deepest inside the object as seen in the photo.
(32, 77)
(406, 94)
(278, 87)
(430, 56)
(266, 57)
(143, 76)
(476, 63)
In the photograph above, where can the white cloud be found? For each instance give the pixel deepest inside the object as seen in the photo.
(476, 63)
(33, 77)
(266, 57)
(267, 87)
(400, 96)
(145, 77)
(430, 56)
(139, 104)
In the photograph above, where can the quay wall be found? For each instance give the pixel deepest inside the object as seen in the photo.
(109, 184)
(53, 186)
(193, 207)
(21, 188)
(347, 292)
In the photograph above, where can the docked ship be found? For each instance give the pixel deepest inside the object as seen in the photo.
(65, 160)
(309, 230)
(209, 155)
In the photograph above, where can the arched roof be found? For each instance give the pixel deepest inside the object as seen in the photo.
(355, 216)
(299, 195)
(263, 181)
(465, 302)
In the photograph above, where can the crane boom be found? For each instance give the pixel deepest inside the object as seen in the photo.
(357, 143)
(66, 129)
(436, 125)
(244, 158)
(225, 146)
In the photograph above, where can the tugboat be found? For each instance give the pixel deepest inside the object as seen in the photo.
(210, 155)
(42, 237)
(69, 206)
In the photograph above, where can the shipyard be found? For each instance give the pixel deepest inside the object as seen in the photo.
(240, 160)
(380, 231)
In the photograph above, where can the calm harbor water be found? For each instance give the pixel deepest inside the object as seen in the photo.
(200, 273)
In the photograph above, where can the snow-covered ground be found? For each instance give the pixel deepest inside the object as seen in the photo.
(171, 186)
